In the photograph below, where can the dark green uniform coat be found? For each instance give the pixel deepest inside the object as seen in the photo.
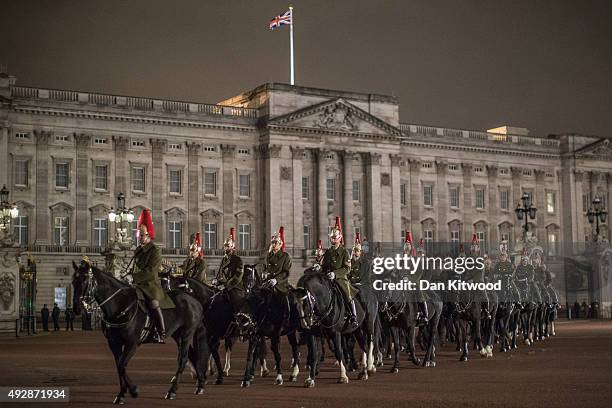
(230, 271)
(355, 273)
(195, 268)
(147, 261)
(336, 261)
(278, 266)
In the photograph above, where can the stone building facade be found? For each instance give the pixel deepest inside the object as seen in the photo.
(279, 155)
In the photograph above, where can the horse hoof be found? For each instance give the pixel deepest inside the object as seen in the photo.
(170, 395)
(245, 384)
(463, 358)
(430, 364)
(309, 383)
(219, 381)
(265, 373)
(345, 380)
(134, 392)
(483, 353)
(119, 400)
(394, 370)
(293, 378)
(416, 361)
(199, 391)
(226, 373)
(279, 380)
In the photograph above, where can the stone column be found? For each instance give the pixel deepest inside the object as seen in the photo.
(580, 218)
(347, 216)
(4, 170)
(443, 234)
(468, 199)
(193, 188)
(493, 206)
(608, 208)
(83, 143)
(121, 166)
(541, 214)
(42, 187)
(228, 154)
(297, 155)
(416, 198)
(271, 156)
(374, 211)
(396, 206)
(158, 190)
(593, 184)
(321, 195)
(517, 173)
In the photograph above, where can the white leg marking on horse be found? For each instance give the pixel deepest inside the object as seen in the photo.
(371, 367)
(279, 379)
(228, 358)
(343, 378)
(296, 370)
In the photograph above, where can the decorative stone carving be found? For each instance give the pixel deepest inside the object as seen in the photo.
(336, 117)
(374, 159)
(441, 166)
(516, 171)
(42, 137)
(578, 175)
(7, 290)
(270, 151)
(385, 179)
(285, 173)
(395, 159)
(297, 152)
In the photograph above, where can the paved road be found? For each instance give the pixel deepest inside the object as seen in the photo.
(573, 369)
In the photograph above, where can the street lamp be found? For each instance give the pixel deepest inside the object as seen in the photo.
(7, 212)
(123, 218)
(526, 211)
(597, 214)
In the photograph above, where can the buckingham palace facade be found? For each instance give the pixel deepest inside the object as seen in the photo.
(278, 155)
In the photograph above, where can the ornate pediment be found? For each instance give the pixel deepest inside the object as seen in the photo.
(211, 214)
(599, 150)
(336, 115)
(244, 214)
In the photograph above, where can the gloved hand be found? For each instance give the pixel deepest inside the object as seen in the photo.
(272, 282)
(215, 282)
(331, 275)
(221, 287)
(316, 267)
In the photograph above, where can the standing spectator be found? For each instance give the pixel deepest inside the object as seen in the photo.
(576, 310)
(69, 319)
(585, 309)
(44, 312)
(55, 314)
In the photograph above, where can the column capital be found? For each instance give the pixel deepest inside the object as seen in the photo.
(578, 174)
(82, 140)
(227, 150)
(467, 168)
(297, 152)
(121, 142)
(441, 166)
(158, 145)
(193, 148)
(539, 173)
(492, 169)
(42, 137)
(396, 159)
(516, 171)
(374, 159)
(270, 151)
(415, 164)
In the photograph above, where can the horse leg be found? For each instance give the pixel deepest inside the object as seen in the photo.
(274, 343)
(182, 341)
(412, 345)
(312, 361)
(394, 335)
(213, 345)
(198, 356)
(295, 361)
(117, 350)
(338, 352)
(246, 379)
(463, 338)
(229, 342)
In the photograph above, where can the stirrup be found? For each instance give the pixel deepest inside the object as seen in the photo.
(159, 338)
(421, 318)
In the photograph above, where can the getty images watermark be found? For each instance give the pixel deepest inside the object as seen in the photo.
(397, 273)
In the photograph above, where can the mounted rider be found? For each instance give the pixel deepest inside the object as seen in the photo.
(318, 254)
(145, 275)
(336, 265)
(357, 263)
(504, 271)
(418, 251)
(229, 274)
(523, 276)
(195, 266)
(278, 268)
(477, 274)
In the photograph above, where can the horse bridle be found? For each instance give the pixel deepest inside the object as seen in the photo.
(328, 311)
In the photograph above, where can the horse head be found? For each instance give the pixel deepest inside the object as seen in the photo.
(250, 278)
(84, 286)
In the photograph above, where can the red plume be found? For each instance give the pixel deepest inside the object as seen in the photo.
(319, 244)
(357, 237)
(339, 226)
(281, 232)
(408, 239)
(198, 241)
(146, 220)
(233, 233)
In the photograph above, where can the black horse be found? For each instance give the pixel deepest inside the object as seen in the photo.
(126, 323)
(322, 312)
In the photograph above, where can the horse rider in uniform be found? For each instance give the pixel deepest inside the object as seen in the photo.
(477, 274)
(356, 272)
(504, 271)
(411, 251)
(195, 266)
(145, 275)
(524, 274)
(336, 264)
(278, 268)
(229, 274)
(318, 254)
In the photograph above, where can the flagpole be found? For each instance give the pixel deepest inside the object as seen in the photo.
(291, 45)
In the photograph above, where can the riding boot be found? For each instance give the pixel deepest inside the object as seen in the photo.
(353, 316)
(160, 328)
(422, 314)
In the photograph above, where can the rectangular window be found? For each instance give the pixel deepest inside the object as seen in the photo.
(138, 143)
(175, 180)
(20, 229)
(551, 202)
(61, 138)
(586, 202)
(305, 188)
(21, 173)
(480, 198)
(505, 236)
(454, 238)
(243, 152)
(175, 146)
(100, 232)
(306, 236)
(482, 237)
(428, 239)
(175, 229)
(100, 141)
(245, 186)
(210, 236)
(138, 179)
(403, 200)
(552, 244)
(209, 149)
(210, 182)
(62, 175)
(61, 232)
(331, 188)
(454, 196)
(504, 199)
(101, 177)
(428, 195)
(504, 171)
(453, 167)
(244, 236)
(356, 190)
(529, 195)
(22, 135)
(134, 230)
(59, 297)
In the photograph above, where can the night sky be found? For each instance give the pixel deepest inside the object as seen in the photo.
(544, 65)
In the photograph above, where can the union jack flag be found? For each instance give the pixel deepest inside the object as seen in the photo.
(284, 19)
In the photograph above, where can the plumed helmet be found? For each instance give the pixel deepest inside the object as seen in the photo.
(475, 244)
(196, 245)
(357, 244)
(230, 241)
(409, 243)
(145, 224)
(278, 238)
(319, 251)
(336, 232)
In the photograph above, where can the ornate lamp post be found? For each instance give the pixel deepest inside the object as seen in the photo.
(526, 211)
(8, 212)
(597, 214)
(122, 217)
